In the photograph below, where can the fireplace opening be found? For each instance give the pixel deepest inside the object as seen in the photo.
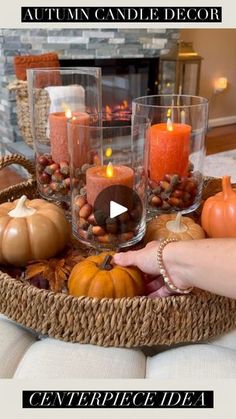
(123, 79)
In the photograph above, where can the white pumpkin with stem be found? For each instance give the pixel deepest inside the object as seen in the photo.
(174, 226)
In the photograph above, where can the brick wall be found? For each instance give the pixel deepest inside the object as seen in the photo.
(70, 43)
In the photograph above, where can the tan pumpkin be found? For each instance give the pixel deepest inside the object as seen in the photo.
(96, 277)
(168, 226)
(31, 230)
(219, 212)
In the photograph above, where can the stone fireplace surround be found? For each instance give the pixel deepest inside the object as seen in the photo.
(69, 44)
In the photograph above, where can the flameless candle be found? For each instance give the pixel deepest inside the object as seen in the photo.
(99, 178)
(168, 149)
(58, 133)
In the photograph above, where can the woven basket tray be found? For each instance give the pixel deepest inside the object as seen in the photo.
(42, 103)
(126, 322)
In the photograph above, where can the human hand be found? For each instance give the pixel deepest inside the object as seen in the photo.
(146, 260)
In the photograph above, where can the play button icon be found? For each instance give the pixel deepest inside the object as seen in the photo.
(116, 209)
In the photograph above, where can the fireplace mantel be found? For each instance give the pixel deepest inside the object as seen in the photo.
(71, 44)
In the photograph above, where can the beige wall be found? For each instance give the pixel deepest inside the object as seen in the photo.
(218, 48)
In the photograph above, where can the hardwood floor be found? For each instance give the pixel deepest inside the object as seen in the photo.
(221, 139)
(218, 139)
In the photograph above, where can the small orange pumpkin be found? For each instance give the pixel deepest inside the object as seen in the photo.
(96, 277)
(219, 212)
(173, 226)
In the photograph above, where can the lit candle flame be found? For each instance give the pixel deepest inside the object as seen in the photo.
(68, 113)
(108, 152)
(109, 170)
(168, 114)
(169, 125)
(67, 110)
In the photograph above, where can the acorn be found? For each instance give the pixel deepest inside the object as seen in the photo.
(82, 223)
(91, 220)
(190, 186)
(100, 217)
(157, 190)
(83, 191)
(43, 160)
(177, 194)
(152, 184)
(47, 191)
(52, 168)
(64, 168)
(126, 236)
(57, 176)
(164, 185)
(107, 238)
(175, 202)
(79, 202)
(98, 231)
(55, 187)
(66, 183)
(155, 201)
(187, 197)
(111, 225)
(44, 178)
(85, 211)
(83, 233)
(165, 206)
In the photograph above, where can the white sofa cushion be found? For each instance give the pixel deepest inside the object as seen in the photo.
(51, 358)
(193, 361)
(14, 342)
(228, 340)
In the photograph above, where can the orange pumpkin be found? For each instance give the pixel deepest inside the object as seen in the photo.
(173, 226)
(219, 212)
(96, 277)
(31, 230)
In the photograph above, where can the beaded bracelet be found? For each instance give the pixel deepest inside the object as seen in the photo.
(168, 283)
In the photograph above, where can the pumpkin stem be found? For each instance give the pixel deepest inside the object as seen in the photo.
(227, 187)
(21, 210)
(106, 265)
(177, 225)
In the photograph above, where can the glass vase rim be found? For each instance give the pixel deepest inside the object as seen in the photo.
(203, 101)
(99, 126)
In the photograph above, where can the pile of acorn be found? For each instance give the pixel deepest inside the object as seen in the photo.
(54, 178)
(96, 226)
(173, 192)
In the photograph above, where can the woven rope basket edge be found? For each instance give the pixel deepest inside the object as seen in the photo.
(125, 322)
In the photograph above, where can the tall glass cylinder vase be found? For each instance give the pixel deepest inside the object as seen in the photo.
(108, 199)
(175, 150)
(55, 95)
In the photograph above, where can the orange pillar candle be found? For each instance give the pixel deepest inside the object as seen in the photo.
(99, 178)
(169, 146)
(58, 133)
